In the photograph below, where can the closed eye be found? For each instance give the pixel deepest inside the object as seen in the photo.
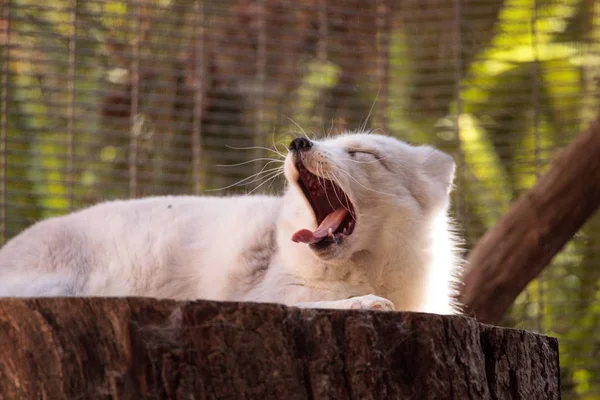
(353, 153)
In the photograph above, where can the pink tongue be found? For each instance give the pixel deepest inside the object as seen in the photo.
(332, 221)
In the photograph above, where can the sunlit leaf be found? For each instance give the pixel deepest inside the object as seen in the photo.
(482, 160)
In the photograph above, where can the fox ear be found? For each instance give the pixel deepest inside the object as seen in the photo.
(438, 166)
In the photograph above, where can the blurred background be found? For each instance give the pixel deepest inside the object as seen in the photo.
(109, 99)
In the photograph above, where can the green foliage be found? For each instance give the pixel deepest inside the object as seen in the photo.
(319, 76)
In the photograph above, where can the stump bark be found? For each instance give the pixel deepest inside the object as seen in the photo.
(132, 348)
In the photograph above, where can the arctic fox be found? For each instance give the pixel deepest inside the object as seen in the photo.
(362, 224)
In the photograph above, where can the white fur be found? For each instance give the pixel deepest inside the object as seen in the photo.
(240, 248)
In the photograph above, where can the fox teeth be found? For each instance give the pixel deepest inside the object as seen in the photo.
(330, 232)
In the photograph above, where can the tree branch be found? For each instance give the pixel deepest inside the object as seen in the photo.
(536, 228)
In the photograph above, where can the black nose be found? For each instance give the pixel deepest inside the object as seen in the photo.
(300, 143)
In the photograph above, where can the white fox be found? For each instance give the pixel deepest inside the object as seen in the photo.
(362, 224)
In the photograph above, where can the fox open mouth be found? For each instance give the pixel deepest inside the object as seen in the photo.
(333, 210)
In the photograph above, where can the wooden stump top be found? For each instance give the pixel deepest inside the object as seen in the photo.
(134, 348)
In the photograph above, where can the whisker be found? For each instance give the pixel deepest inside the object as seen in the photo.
(245, 180)
(298, 125)
(270, 176)
(331, 128)
(284, 146)
(364, 125)
(378, 130)
(255, 148)
(319, 178)
(271, 179)
(251, 161)
(277, 150)
(337, 181)
(266, 173)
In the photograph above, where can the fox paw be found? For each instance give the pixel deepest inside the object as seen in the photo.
(370, 302)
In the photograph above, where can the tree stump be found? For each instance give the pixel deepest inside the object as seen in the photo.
(134, 348)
